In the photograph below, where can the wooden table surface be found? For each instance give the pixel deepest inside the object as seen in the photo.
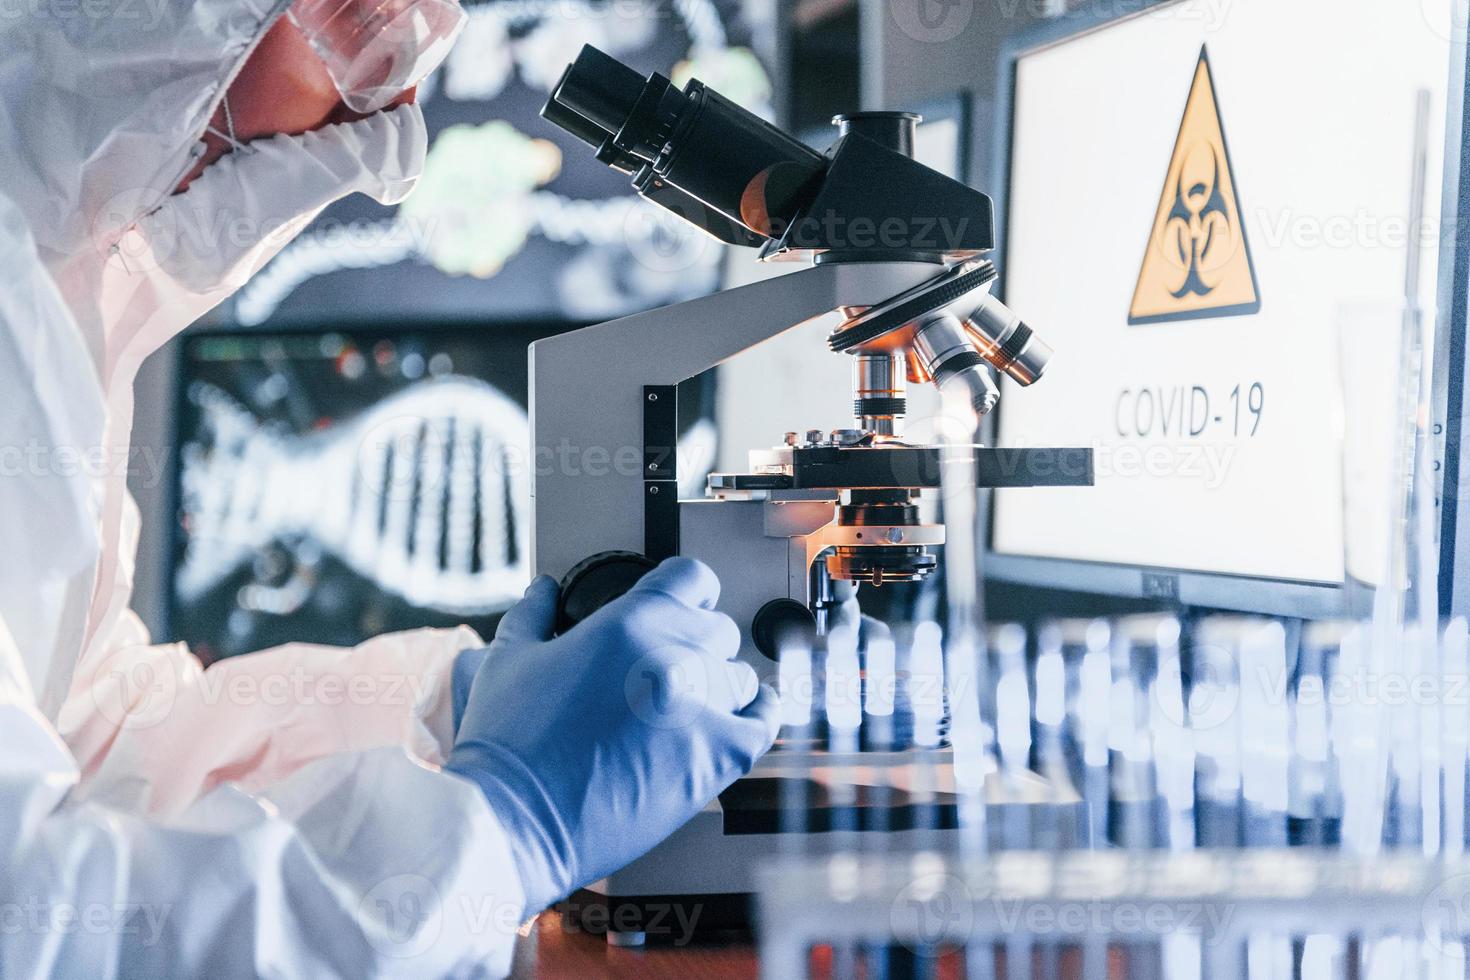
(553, 952)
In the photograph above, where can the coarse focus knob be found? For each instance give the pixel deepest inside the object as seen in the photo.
(594, 582)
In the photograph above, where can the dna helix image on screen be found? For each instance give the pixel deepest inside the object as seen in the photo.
(408, 509)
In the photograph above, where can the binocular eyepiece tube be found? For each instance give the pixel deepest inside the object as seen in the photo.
(715, 154)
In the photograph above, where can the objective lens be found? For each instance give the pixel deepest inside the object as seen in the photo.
(1004, 340)
(878, 389)
(949, 356)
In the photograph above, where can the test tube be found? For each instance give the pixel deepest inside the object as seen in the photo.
(1214, 696)
(1431, 721)
(1136, 812)
(1094, 683)
(1013, 730)
(1012, 698)
(1173, 741)
(1359, 732)
(925, 689)
(1456, 744)
(1050, 715)
(1314, 803)
(843, 694)
(926, 684)
(880, 685)
(794, 684)
(1406, 712)
(966, 684)
(969, 736)
(843, 711)
(1264, 732)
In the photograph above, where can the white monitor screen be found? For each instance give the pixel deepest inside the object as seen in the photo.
(1209, 220)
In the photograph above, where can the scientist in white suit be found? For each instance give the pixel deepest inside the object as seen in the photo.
(395, 809)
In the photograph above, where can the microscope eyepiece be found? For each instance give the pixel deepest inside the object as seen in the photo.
(599, 88)
(580, 126)
(692, 151)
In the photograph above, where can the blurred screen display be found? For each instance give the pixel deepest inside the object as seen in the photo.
(331, 486)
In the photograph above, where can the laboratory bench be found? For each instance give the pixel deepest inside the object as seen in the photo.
(550, 951)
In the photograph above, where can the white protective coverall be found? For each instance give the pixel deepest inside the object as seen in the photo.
(279, 814)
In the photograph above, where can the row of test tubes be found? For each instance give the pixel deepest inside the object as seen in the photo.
(1237, 732)
(1149, 735)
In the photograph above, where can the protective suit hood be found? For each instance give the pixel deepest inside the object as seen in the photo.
(107, 98)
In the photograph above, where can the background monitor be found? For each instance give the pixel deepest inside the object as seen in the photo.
(334, 484)
(1209, 213)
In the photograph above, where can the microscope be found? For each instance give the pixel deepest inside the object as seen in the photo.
(894, 254)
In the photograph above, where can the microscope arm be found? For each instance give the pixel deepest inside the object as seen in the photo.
(588, 402)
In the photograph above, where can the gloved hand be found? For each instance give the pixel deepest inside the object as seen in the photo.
(466, 666)
(593, 747)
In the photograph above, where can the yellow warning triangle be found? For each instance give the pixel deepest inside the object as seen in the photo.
(1198, 263)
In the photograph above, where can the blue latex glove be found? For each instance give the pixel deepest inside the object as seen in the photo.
(593, 747)
(466, 666)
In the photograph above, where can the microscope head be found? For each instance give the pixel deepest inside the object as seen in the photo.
(744, 181)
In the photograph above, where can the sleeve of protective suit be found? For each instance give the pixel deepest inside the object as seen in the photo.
(361, 863)
(365, 864)
(152, 731)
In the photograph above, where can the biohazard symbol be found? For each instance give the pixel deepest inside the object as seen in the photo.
(1198, 263)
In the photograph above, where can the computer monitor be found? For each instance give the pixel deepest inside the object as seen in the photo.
(331, 484)
(1208, 210)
